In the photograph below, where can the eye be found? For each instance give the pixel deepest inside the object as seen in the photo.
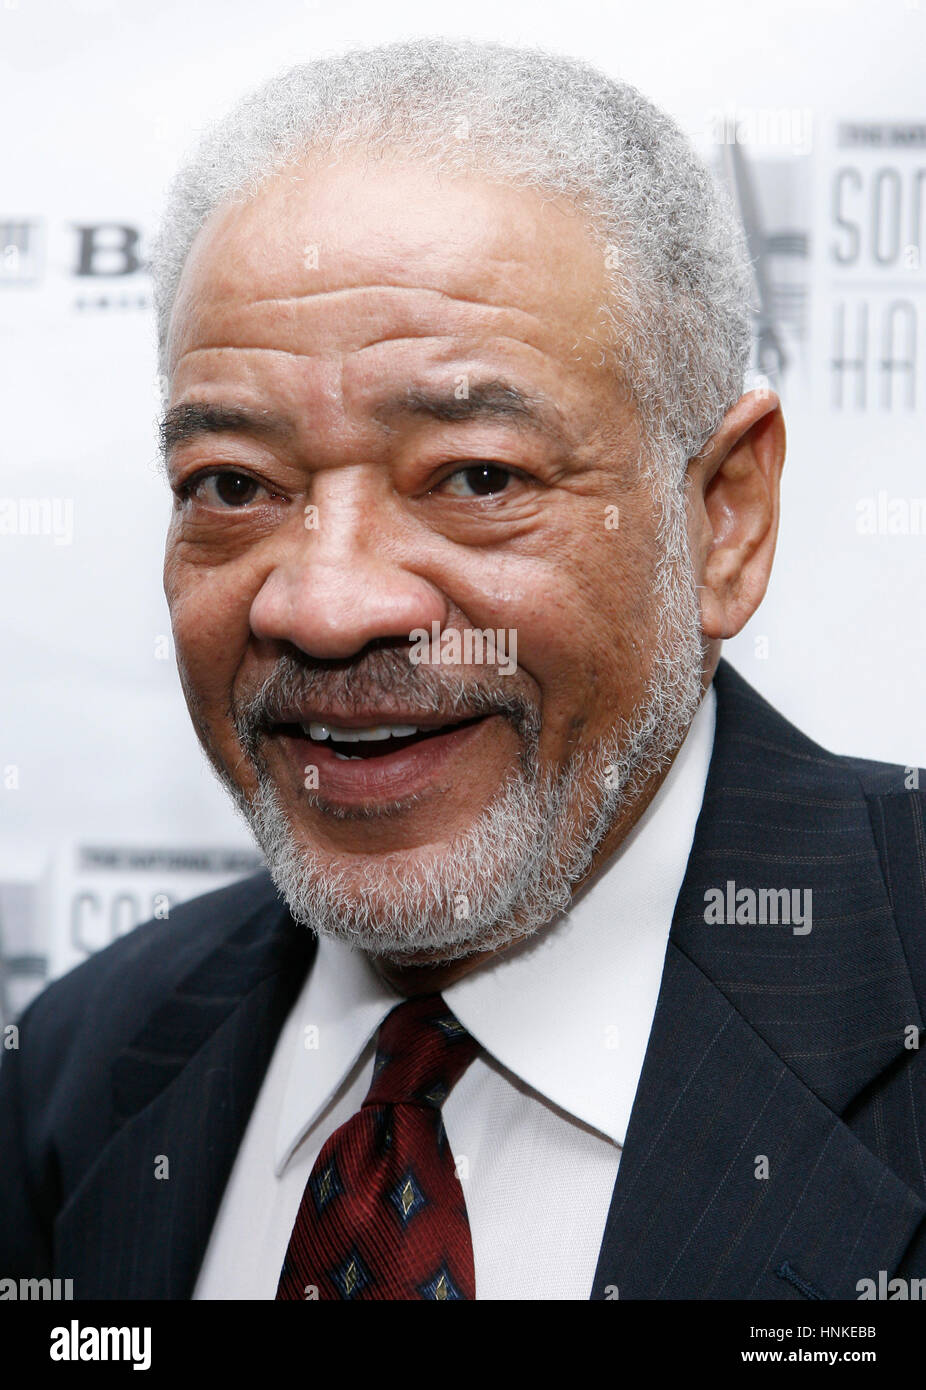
(225, 489)
(479, 480)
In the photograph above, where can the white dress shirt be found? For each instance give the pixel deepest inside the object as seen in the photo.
(537, 1121)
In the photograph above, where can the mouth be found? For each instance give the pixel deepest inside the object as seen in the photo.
(368, 742)
(358, 763)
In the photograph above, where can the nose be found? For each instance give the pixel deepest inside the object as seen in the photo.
(346, 577)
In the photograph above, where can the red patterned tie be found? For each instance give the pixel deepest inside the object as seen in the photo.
(383, 1214)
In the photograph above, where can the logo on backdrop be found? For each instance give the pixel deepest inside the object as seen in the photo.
(103, 260)
(876, 256)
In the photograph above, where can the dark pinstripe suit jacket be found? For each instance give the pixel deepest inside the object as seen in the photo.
(798, 1048)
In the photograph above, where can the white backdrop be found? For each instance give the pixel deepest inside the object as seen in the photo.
(104, 788)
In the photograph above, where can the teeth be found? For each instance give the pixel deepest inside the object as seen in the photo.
(385, 731)
(374, 733)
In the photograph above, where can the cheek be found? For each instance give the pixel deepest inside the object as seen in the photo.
(594, 607)
(583, 613)
(209, 617)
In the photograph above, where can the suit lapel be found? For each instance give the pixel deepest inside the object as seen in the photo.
(736, 1181)
(738, 1177)
(182, 1091)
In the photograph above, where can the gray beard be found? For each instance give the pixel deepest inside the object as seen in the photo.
(514, 869)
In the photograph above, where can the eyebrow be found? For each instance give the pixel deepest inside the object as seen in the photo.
(184, 422)
(492, 400)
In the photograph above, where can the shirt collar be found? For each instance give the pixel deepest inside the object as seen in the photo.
(569, 1011)
(342, 1003)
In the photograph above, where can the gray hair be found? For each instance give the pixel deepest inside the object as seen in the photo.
(678, 320)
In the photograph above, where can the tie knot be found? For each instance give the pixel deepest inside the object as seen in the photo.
(421, 1052)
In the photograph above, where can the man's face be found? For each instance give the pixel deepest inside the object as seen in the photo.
(411, 423)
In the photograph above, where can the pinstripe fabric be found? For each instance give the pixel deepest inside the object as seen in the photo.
(80, 1133)
(886, 1115)
(763, 1039)
(780, 812)
(691, 1219)
(770, 1051)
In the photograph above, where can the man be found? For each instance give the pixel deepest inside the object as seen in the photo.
(469, 492)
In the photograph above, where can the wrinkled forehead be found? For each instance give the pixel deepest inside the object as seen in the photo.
(342, 254)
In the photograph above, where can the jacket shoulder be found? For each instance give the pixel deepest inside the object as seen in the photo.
(889, 779)
(57, 1108)
(165, 947)
(885, 802)
(797, 753)
(97, 1006)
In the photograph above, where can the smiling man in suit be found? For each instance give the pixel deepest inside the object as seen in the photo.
(592, 977)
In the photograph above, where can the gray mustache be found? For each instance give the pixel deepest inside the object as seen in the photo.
(352, 687)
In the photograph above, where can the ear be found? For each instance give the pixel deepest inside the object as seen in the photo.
(733, 507)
